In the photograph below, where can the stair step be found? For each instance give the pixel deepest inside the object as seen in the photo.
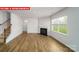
(1, 37)
(1, 41)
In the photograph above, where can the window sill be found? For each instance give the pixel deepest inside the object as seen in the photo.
(61, 33)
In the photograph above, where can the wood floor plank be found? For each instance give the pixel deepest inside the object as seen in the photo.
(35, 43)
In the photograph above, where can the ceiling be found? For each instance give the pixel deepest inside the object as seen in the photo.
(38, 11)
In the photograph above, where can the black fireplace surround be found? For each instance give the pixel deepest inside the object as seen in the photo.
(43, 31)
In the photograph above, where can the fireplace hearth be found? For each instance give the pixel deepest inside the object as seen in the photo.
(43, 31)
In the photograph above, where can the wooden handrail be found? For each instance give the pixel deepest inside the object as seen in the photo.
(4, 22)
(6, 31)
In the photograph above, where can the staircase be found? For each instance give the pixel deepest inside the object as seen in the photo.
(2, 38)
(6, 31)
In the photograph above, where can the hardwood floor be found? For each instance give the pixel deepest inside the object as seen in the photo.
(34, 43)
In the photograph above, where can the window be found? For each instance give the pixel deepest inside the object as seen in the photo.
(60, 24)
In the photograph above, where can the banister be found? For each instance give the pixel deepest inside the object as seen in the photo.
(4, 22)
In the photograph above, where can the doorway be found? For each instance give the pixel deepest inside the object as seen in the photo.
(25, 26)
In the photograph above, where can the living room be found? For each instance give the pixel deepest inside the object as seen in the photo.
(64, 29)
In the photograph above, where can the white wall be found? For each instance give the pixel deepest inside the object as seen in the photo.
(16, 28)
(3, 17)
(44, 23)
(1, 29)
(32, 25)
(72, 39)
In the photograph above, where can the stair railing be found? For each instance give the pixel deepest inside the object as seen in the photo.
(5, 29)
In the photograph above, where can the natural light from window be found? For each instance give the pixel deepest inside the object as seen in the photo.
(60, 25)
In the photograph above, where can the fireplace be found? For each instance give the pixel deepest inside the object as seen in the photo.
(43, 31)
